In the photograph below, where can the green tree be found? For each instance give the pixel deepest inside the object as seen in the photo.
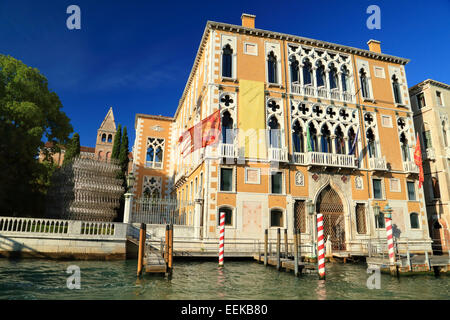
(72, 149)
(116, 143)
(123, 155)
(29, 111)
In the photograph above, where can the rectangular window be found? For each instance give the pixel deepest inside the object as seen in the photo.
(277, 182)
(427, 139)
(226, 179)
(421, 101)
(377, 191)
(276, 218)
(379, 221)
(439, 98)
(228, 216)
(411, 191)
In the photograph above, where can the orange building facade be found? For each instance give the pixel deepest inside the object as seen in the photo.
(304, 123)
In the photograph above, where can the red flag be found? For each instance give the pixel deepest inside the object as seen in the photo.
(203, 134)
(418, 160)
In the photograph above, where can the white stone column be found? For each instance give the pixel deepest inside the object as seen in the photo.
(197, 217)
(128, 207)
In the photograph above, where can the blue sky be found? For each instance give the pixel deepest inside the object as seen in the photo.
(136, 55)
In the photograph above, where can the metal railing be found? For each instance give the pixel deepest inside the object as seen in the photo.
(162, 211)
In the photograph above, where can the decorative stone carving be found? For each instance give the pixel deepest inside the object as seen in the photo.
(299, 179)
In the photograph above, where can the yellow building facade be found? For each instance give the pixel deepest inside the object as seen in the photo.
(304, 123)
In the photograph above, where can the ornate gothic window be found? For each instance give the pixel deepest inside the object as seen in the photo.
(307, 72)
(155, 153)
(272, 68)
(325, 139)
(371, 144)
(297, 137)
(227, 58)
(320, 74)
(344, 79)
(227, 128)
(294, 67)
(333, 76)
(364, 83)
(274, 133)
(313, 137)
(396, 89)
(151, 187)
(339, 141)
(404, 147)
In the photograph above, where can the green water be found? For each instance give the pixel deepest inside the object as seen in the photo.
(42, 279)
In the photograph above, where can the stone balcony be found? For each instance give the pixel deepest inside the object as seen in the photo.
(377, 164)
(226, 150)
(321, 92)
(278, 154)
(325, 159)
(430, 154)
(410, 166)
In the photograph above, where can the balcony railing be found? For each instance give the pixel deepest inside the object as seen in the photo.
(226, 150)
(431, 155)
(410, 166)
(321, 92)
(299, 158)
(278, 154)
(377, 164)
(325, 159)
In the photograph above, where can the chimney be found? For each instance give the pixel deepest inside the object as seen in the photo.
(248, 20)
(374, 45)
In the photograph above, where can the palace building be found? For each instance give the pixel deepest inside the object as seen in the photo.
(307, 126)
(430, 101)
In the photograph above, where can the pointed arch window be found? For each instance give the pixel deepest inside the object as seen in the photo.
(109, 138)
(351, 141)
(312, 137)
(307, 72)
(155, 153)
(344, 79)
(272, 68)
(227, 128)
(104, 137)
(325, 139)
(339, 141)
(364, 83)
(227, 61)
(295, 70)
(371, 144)
(274, 133)
(320, 75)
(404, 147)
(297, 137)
(396, 89)
(333, 76)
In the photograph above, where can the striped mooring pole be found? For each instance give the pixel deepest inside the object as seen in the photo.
(221, 238)
(320, 246)
(390, 239)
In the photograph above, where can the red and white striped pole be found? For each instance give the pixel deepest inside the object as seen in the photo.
(221, 238)
(320, 246)
(390, 239)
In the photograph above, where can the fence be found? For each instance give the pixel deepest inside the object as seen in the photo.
(61, 228)
(163, 211)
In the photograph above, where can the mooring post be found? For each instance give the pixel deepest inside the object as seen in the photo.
(408, 256)
(142, 234)
(286, 249)
(266, 245)
(427, 261)
(170, 265)
(278, 249)
(295, 252)
(166, 246)
(221, 239)
(321, 247)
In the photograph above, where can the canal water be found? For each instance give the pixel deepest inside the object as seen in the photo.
(42, 279)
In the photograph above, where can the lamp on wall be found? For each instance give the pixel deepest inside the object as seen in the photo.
(310, 207)
(376, 209)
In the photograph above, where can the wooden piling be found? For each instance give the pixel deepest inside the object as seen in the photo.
(286, 249)
(170, 249)
(142, 234)
(278, 249)
(266, 244)
(166, 246)
(295, 252)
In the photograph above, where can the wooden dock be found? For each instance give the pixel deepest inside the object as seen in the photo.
(154, 262)
(414, 264)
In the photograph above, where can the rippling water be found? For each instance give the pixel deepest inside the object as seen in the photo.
(41, 279)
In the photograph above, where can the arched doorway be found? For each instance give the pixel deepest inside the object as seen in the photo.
(330, 205)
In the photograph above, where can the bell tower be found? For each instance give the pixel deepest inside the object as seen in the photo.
(105, 137)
